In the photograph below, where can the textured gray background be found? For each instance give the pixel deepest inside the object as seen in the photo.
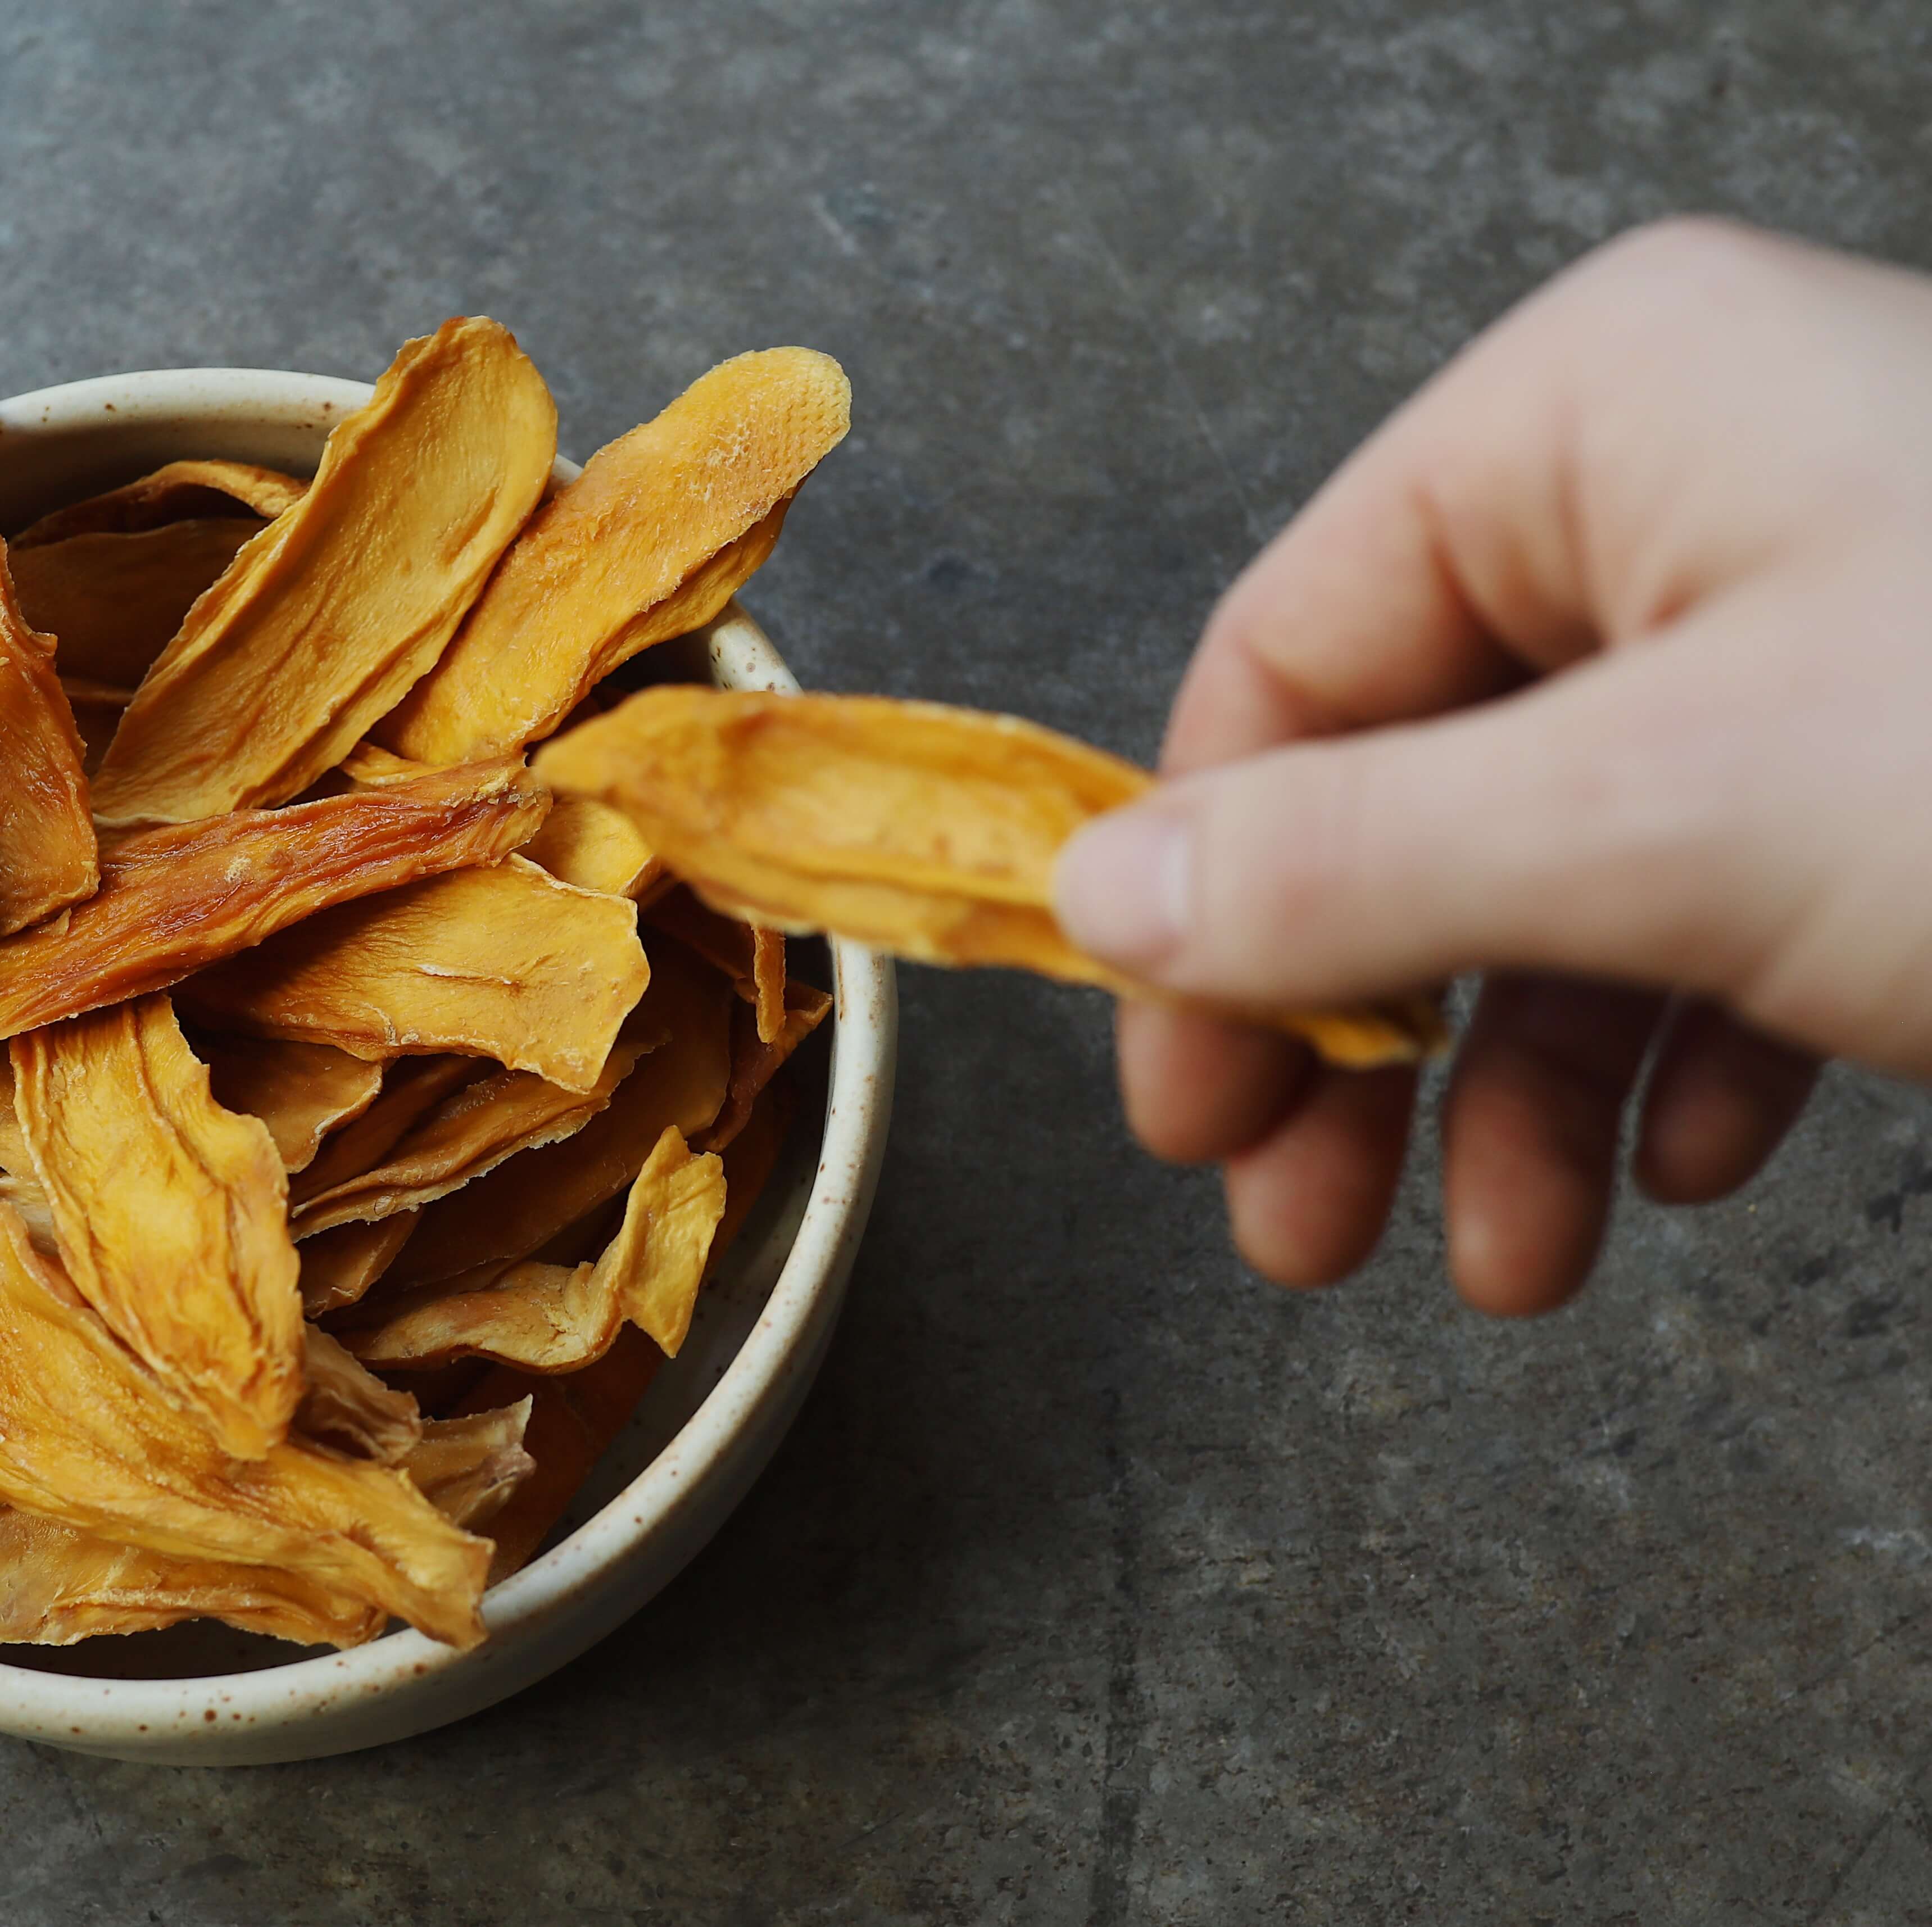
(1099, 1582)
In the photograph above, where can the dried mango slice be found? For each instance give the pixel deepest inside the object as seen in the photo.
(411, 1087)
(170, 1213)
(97, 708)
(551, 1318)
(345, 1406)
(465, 1136)
(649, 542)
(926, 831)
(301, 1092)
(589, 843)
(338, 1267)
(173, 900)
(768, 983)
(527, 1201)
(58, 1585)
(176, 492)
(113, 601)
(343, 602)
(506, 963)
(572, 1420)
(89, 1441)
(469, 1468)
(756, 1059)
(48, 859)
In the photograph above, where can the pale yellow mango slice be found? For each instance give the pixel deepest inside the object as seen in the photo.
(169, 1214)
(58, 1585)
(504, 962)
(649, 542)
(90, 1441)
(173, 900)
(328, 616)
(928, 832)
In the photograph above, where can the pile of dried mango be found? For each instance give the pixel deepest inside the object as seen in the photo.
(381, 1095)
(375, 1112)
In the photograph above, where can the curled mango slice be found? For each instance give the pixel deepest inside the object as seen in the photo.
(556, 1318)
(924, 830)
(301, 1092)
(649, 542)
(325, 618)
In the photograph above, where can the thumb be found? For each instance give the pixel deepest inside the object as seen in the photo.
(1597, 822)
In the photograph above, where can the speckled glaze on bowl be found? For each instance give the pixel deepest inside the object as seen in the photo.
(202, 1696)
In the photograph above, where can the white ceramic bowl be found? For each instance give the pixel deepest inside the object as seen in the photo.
(201, 1695)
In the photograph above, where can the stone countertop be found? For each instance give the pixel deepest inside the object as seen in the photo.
(1099, 1582)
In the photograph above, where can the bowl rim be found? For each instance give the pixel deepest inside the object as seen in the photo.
(97, 1712)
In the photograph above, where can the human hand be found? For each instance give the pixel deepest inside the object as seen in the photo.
(1605, 667)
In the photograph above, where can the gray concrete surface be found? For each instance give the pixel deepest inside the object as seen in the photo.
(1099, 1582)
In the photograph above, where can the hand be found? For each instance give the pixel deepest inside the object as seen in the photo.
(1604, 668)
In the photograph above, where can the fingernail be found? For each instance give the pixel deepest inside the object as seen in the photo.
(1121, 888)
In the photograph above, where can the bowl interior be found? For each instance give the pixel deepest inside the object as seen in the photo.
(91, 435)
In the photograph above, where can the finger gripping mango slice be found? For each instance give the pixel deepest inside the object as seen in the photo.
(928, 831)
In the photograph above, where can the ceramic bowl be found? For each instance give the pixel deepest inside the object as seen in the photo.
(201, 1695)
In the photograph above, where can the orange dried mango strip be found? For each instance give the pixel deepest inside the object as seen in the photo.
(649, 542)
(173, 900)
(111, 601)
(926, 831)
(329, 615)
(169, 1214)
(338, 1267)
(529, 1199)
(48, 857)
(554, 1318)
(504, 963)
(301, 1092)
(589, 843)
(465, 1136)
(469, 1468)
(89, 1441)
(177, 491)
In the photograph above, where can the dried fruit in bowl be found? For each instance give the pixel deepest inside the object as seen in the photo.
(649, 542)
(327, 617)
